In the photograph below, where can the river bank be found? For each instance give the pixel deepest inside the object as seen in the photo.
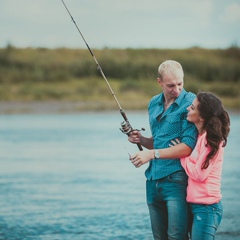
(57, 107)
(52, 107)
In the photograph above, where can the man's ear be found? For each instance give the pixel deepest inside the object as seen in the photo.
(159, 81)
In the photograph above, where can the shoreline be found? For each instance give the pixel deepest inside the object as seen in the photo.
(65, 107)
(50, 107)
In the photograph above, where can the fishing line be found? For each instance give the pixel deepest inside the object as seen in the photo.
(126, 126)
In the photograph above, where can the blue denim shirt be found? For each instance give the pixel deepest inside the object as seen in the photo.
(166, 126)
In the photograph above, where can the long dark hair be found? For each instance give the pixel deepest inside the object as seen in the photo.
(216, 123)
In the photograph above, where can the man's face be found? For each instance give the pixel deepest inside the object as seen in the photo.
(172, 85)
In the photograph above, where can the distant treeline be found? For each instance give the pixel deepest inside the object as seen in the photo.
(219, 69)
(41, 64)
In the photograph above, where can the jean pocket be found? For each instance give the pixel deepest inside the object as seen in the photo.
(214, 214)
(178, 177)
(217, 217)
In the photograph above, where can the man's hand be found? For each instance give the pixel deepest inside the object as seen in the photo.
(135, 137)
(141, 158)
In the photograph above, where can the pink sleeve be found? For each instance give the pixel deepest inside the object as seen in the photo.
(193, 165)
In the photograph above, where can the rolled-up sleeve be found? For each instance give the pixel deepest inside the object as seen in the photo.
(189, 134)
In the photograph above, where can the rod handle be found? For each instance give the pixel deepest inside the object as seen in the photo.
(139, 146)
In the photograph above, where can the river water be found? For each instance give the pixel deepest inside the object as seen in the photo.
(68, 177)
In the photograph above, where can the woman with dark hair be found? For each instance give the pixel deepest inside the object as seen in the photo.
(204, 165)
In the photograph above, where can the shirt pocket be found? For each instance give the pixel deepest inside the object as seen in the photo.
(171, 126)
(154, 124)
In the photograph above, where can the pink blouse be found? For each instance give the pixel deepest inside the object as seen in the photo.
(203, 184)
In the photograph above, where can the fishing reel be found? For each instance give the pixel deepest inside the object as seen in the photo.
(127, 128)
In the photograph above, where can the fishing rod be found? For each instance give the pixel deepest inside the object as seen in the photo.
(126, 127)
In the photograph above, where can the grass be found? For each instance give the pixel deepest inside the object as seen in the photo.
(71, 75)
(131, 94)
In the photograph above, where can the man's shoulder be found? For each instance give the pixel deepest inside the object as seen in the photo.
(190, 96)
(187, 98)
(155, 99)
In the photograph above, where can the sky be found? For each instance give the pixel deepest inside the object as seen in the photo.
(120, 23)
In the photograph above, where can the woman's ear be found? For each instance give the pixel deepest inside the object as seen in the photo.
(201, 119)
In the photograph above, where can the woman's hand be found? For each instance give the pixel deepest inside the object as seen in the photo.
(141, 158)
(174, 142)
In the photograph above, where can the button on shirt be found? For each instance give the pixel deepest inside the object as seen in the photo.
(166, 126)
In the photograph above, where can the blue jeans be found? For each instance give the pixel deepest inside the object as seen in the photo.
(168, 209)
(206, 219)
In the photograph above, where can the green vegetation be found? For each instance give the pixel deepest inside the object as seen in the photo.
(71, 74)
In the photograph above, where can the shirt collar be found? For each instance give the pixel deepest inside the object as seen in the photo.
(180, 97)
(177, 101)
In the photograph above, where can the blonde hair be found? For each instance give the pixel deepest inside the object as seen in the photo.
(170, 67)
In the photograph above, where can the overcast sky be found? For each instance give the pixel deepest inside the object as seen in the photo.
(120, 23)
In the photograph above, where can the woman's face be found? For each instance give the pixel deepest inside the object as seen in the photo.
(193, 113)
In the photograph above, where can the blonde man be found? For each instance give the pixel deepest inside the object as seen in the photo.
(166, 179)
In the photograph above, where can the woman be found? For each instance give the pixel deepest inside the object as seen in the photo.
(204, 165)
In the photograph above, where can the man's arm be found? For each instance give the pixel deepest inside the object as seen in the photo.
(177, 151)
(136, 137)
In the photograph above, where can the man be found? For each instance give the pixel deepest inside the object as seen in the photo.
(166, 180)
